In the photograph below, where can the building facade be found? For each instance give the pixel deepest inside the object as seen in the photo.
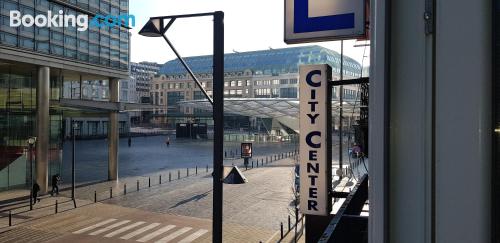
(128, 92)
(257, 74)
(143, 73)
(51, 74)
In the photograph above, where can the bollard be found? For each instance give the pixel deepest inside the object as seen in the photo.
(159, 179)
(289, 224)
(296, 222)
(137, 185)
(125, 189)
(281, 230)
(149, 182)
(178, 174)
(207, 168)
(111, 192)
(187, 172)
(10, 218)
(56, 206)
(196, 170)
(95, 196)
(252, 164)
(169, 176)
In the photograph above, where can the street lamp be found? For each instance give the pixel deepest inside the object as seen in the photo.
(74, 126)
(31, 143)
(156, 27)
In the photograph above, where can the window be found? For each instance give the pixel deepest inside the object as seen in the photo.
(233, 83)
(226, 84)
(157, 86)
(26, 43)
(288, 92)
(283, 81)
(240, 83)
(56, 50)
(293, 81)
(124, 95)
(248, 83)
(56, 38)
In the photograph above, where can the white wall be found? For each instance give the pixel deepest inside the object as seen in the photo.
(431, 181)
(463, 115)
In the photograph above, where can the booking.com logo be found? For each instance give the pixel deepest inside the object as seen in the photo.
(81, 21)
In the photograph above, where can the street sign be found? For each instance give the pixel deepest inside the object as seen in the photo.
(324, 20)
(246, 150)
(315, 139)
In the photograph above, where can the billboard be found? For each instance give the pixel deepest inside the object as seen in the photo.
(246, 150)
(315, 139)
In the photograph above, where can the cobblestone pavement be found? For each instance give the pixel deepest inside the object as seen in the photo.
(110, 223)
(177, 211)
(264, 201)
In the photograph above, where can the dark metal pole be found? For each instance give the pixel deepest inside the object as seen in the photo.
(73, 161)
(30, 151)
(218, 109)
(341, 99)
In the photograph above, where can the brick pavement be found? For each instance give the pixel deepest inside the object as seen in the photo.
(44, 213)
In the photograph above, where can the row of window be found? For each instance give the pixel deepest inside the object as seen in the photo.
(102, 46)
(233, 83)
(237, 83)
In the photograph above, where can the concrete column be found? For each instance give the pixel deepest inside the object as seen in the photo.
(42, 128)
(113, 131)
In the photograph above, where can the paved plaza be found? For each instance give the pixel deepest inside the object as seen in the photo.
(177, 211)
(164, 194)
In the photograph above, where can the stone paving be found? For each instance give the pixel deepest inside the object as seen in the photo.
(255, 207)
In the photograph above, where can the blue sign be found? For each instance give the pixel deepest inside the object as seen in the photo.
(302, 22)
(324, 20)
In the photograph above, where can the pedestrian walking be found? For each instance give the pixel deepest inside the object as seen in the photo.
(129, 141)
(167, 141)
(36, 189)
(55, 184)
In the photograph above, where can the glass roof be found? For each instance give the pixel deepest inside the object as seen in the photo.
(267, 107)
(268, 62)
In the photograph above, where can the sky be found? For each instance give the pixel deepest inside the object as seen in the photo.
(248, 26)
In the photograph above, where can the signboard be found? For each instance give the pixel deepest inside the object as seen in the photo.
(246, 150)
(315, 139)
(324, 20)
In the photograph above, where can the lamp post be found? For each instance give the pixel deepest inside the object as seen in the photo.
(74, 126)
(31, 143)
(156, 27)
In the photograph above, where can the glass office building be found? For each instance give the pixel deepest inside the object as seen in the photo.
(80, 66)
